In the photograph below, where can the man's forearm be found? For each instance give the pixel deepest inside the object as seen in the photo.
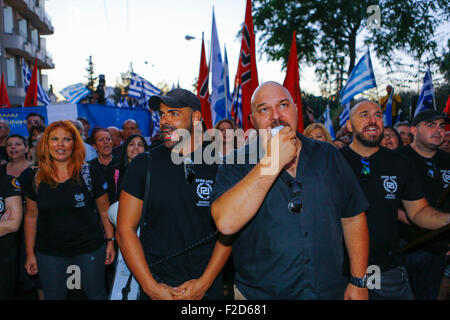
(219, 257)
(356, 237)
(431, 218)
(239, 205)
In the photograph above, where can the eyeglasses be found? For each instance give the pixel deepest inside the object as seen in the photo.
(189, 173)
(295, 206)
(365, 171)
(432, 170)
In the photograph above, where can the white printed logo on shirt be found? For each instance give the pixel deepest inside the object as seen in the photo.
(204, 190)
(390, 185)
(79, 198)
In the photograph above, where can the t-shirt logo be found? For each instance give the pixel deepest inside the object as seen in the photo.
(79, 198)
(2, 207)
(15, 183)
(446, 175)
(204, 190)
(390, 185)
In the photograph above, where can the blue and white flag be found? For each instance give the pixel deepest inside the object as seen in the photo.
(226, 85)
(155, 123)
(141, 89)
(387, 116)
(75, 93)
(26, 75)
(328, 123)
(426, 95)
(217, 97)
(236, 106)
(345, 115)
(361, 79)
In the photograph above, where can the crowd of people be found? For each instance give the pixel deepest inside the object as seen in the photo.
(345, 219)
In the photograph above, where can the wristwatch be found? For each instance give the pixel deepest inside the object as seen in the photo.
(359, 282)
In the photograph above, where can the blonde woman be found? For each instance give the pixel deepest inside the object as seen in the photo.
(317, 131)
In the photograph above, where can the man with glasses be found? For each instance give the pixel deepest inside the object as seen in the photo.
(181, 255)
(34, 119)
(426, 264)
(389, 180)
(290, 220)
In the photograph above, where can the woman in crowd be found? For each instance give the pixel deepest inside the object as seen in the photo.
(10, 221)
(17, 150)
(133, 145)
(317, 131)
(106, 161)
(35, 133)
(229, 141)
(391, 138)
(62, 228)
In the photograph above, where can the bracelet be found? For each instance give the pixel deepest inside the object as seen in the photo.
(110, 239)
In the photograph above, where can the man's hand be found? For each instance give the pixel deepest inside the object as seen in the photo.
(160, 291)
(355, 293)
(110, 253)
(190, 290)
(281, 149)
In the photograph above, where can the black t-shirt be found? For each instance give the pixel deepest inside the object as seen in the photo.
(3, 154)
(68, 223)
(9, 187)
(433, 185)
(393, 178)
(108, 172)
(178, 214)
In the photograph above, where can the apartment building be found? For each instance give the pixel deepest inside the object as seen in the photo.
(24, 25)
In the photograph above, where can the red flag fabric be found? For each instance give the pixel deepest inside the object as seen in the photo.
(247, 74)
(292, 81)
(447, 111)
(203, 90)
(31, 97)
(4, 100)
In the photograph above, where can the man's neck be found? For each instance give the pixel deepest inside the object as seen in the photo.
(363, 150)
(422, 150)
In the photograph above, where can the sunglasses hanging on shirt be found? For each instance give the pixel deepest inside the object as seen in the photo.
(295, 206)
(365, 171)
(432, 170)
(189, 173)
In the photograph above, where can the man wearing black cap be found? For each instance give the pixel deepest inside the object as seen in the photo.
(179, 257)
(388, 180)
(426, 263)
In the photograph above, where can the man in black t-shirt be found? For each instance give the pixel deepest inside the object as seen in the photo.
(177, 257)
(425, 264)
(388, 180)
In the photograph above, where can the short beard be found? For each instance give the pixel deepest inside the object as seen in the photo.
(368, 143)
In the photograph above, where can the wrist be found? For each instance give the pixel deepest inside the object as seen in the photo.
(110, 240)
(360, 282)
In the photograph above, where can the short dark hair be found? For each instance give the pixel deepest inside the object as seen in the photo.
(18, 136)
(34, 114)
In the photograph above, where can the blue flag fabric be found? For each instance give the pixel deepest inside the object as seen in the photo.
(26, 75)
(426, 95)
(75, 93)
(97, 115)
(236, 106)
(226, 85)
(328, 123)
(217, 97)
(345, 115)
(361, 79)
(141, 89)
(387, 116)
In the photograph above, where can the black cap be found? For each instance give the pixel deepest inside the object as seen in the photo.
(428, 116)
(176, 98)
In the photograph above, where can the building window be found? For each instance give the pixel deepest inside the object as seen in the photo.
(8, 21)
(35, 38)
(11, 72)
(23, 29)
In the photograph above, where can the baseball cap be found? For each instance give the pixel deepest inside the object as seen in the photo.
(176, 98)
(428, 116)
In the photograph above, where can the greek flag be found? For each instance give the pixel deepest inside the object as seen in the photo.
(226, 84)
(155, 123)
(75, 93)
(387, 116)
(141, 89)
(217, 97)
(361, 79)
(236, 106)
(328, 123)
(41, 94)
(345, 115)
(427, 95)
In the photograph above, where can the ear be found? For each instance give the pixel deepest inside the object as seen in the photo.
(414, 130)
(251, 119)
(196, 116)
(348, 124)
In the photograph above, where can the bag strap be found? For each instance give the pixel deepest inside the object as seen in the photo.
(148, 175)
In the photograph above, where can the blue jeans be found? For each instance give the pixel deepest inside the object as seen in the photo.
(54, 277)
(394, 285)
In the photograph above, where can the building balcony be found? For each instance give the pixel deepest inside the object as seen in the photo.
(36, 15)
(16, 45)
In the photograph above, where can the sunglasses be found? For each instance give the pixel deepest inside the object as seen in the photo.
(295, 206)
(189, 173)
(365, 171)
(432, 170)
